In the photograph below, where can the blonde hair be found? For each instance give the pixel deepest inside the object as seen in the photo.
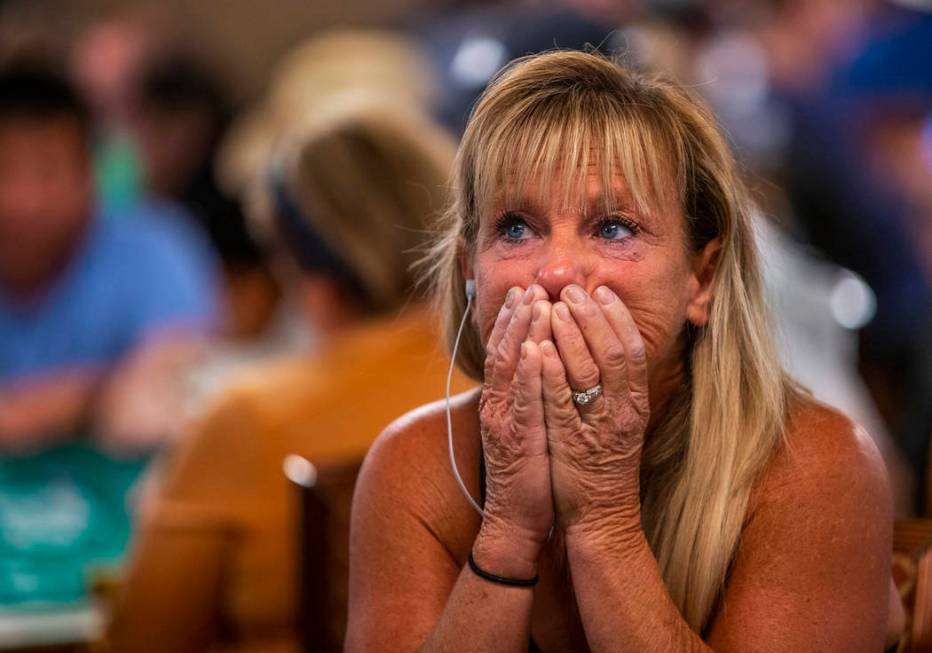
(370, 183)
(556, 112)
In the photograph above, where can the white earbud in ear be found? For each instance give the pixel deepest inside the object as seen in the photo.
(470, 288)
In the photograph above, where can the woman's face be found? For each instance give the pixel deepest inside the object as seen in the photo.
(643, 259)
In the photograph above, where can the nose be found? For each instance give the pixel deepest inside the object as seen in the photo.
(561, 264)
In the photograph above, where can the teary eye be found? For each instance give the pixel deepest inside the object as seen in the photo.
(616, 229)
(512, 226)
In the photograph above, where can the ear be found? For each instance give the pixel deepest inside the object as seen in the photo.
(704, 265)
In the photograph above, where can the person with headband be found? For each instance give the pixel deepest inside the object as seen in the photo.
(349, 204)
(644, 475)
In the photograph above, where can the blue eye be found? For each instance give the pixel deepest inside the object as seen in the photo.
(512, 227)
(515, 230)
(615, 229)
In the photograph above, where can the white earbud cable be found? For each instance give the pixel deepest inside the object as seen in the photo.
(456, 344)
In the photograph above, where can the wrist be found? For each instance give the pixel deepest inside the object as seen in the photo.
(507, 551)
(613, 529)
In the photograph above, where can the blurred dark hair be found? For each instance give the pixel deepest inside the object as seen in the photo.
(177, 83)
(37, 91)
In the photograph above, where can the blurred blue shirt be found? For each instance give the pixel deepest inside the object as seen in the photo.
(129, 279)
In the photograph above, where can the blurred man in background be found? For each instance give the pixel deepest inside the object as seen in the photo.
(94, 315)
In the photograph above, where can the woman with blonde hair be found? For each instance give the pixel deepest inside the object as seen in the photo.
(644, 475)
(349, 205)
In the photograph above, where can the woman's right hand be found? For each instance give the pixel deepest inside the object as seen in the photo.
(519, 503)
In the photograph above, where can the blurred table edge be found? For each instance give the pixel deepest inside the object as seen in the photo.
(22, 628)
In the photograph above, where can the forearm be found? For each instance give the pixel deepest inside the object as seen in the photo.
(141, 404)
(484, 616)
(622, 600)
(46, 410)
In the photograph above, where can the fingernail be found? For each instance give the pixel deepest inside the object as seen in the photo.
(510, 297)
(547, 349)
(604, 295)
(562, 311)
(529, 295)
(575, 294)
(524, 349)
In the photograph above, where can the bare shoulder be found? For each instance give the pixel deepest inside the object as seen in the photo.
(827, 485)
(419, 437)
(408, 470)
(410, 526)
(823, 448)
(818, 527)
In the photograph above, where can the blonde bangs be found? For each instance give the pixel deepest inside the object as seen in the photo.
(560, 139)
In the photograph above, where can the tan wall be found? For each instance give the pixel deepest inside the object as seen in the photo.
(242, 37)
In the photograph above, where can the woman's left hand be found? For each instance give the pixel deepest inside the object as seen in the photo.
(595, 449)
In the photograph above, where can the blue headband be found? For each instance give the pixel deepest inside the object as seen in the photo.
(307, 247)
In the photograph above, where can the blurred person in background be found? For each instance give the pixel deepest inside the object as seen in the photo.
(810, 91)
(763, 67)
(373, 66)
(180, 114)
(471, 41)
(349, 205)
(104, 61)
(884, 95)
(93, 313)
(368, 64)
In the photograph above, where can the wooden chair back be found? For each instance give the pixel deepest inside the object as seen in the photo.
(324, 494)
(912, 571)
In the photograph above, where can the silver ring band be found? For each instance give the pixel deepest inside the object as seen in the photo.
(587, 396)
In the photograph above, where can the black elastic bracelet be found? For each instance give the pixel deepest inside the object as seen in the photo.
(501, 580)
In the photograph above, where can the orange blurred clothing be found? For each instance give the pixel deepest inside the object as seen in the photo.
(214, 568)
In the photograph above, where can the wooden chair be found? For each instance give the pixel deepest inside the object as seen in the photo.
(912, 571)
(324, 496)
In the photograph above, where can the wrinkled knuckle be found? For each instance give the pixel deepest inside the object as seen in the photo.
(487, 396)
(490, 405)
(523, 414)
(629, 419)
(485, 414)
(602, 415)
(589, 377)
(637, 352)
(565, 418)
(641, 403)
(502, 352)
(615, 357)
(563, 404)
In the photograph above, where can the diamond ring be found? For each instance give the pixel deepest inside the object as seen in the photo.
(587, 396)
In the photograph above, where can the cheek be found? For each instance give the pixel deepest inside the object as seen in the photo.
(657, 305)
